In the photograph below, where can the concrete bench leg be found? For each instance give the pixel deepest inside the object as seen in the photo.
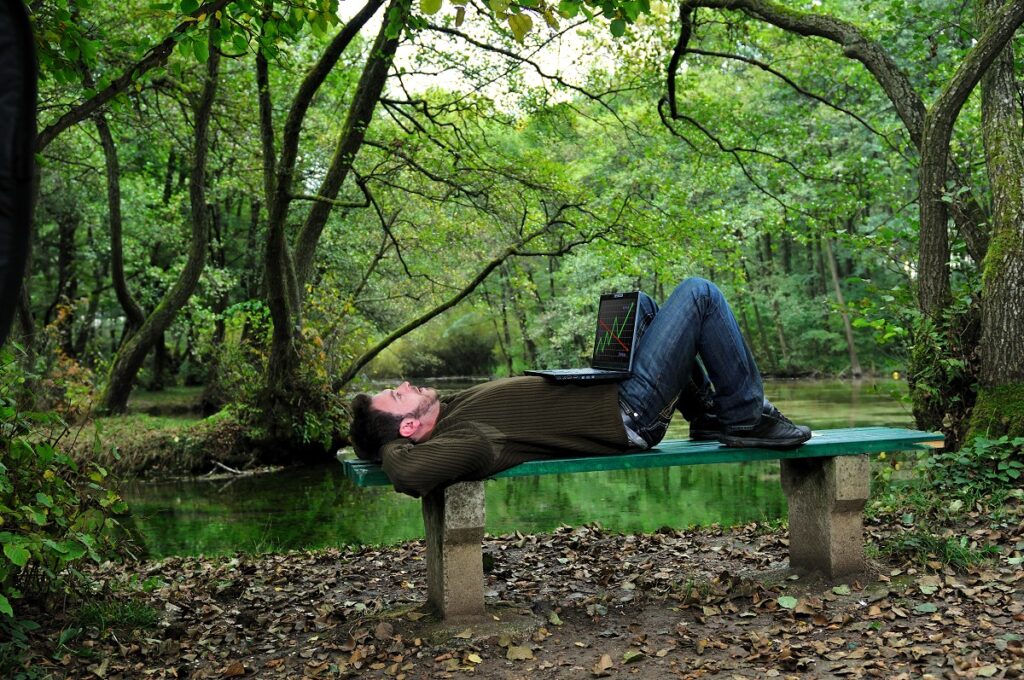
(454, 522)
(826, 505)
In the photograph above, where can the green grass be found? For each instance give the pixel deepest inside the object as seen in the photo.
(118, 614)
(176, 399)
(924, 546)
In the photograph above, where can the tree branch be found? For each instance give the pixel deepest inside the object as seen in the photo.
(156, 56)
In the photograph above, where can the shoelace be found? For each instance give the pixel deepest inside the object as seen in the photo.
(777, 414)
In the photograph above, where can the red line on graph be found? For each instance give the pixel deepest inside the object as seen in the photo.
(609, 332)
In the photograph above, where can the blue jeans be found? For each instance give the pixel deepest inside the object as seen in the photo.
(691, 356)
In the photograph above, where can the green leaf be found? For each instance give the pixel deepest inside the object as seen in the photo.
(201, 49)
(33, 514)
(44, 499)
(841, 590)
(5, 607)
(520, 25)
(17, 554)
(189, 6)
(926, 608)
(72, 550)
(56, 547)
(618, 27)
(431, 6)
(89, 49)
(787, 602)
(498, 6)
(569, 8)
(632, 656)
(239, 42)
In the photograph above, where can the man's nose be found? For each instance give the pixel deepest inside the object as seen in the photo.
(404, 385)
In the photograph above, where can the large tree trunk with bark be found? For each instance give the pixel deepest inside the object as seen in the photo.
(1000, 405)
(133, 351)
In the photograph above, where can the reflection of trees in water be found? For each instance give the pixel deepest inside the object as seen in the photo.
(317, 507)
(289, 510)
(638, 500)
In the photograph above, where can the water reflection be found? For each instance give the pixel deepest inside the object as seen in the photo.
(317, 507)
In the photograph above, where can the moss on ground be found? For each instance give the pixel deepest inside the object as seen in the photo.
(140, 445)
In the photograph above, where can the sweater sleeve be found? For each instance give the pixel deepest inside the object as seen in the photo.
(460, 453)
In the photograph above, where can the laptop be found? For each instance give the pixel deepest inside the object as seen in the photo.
(613, 343)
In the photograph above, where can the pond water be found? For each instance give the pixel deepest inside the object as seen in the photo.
(317, 507)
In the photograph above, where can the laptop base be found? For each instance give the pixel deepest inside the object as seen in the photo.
(590, 375)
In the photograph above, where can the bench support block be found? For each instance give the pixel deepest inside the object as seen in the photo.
(826, 503)
(454, 522)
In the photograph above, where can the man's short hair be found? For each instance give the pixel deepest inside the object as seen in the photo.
(371, 428)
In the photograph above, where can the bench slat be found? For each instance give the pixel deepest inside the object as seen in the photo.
(825, 443)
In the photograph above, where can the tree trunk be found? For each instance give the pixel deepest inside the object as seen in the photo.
(132, 353)
(282, 288)
(368, 92)
(1000, 407)
(134, 316)
(855, 370)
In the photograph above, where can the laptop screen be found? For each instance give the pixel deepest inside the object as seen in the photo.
(616, 327)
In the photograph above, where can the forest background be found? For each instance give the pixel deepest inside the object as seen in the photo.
(280, 201)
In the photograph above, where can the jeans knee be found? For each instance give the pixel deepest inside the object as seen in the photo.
(699, 289)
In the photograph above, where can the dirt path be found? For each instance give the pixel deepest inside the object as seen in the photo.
(577, 603)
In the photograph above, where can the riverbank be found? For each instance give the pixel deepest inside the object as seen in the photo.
(572, 603)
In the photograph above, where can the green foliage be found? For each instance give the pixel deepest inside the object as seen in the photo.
(238, 362)
(943, 365)
(54, 514)
(984, 467)
(462, 347)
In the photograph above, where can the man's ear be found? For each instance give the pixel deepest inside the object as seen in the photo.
(408, 426)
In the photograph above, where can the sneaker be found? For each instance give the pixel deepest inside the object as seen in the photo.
(773, 431)
(708, 428)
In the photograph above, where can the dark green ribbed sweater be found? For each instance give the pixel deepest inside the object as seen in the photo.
(500, 424)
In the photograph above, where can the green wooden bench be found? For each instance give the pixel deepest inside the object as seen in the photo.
(826, 482)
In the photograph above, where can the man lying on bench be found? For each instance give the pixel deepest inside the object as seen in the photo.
(689, 356)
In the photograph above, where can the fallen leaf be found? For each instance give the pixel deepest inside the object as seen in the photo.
(603, 664)
(464, 635)
(474, 658)
(516, 653)
(235, 670)
(554, 620)
(787, 602)
(632, 655)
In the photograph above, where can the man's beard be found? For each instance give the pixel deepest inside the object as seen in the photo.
(424, 406)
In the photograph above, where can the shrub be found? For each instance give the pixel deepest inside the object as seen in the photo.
(54, 515)
(981, 468)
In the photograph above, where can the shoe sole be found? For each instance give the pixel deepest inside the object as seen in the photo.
(754, 443)
(704, 436)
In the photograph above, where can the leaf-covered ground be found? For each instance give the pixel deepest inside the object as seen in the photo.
(576, 603)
